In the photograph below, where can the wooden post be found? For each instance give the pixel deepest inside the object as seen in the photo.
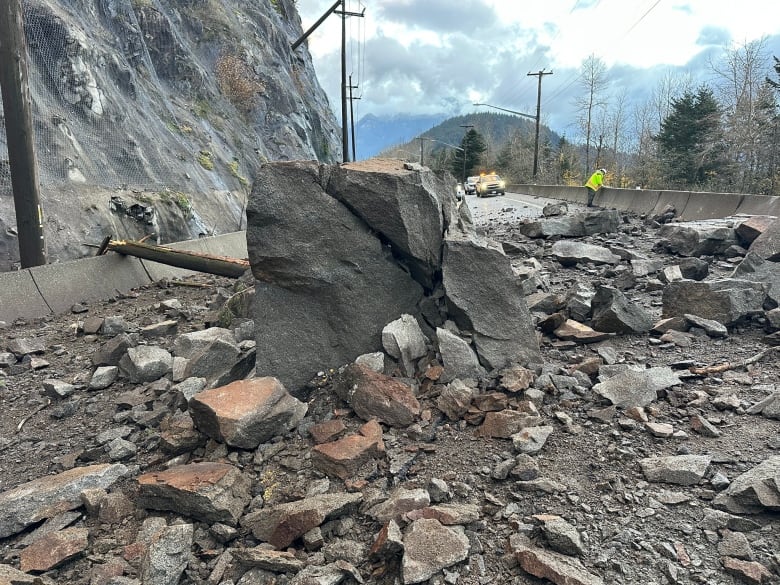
(17, 108)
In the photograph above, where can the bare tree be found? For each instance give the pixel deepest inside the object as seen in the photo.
(740, 82)
(593, 80)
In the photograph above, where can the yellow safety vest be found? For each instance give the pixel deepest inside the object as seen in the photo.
(595, 181)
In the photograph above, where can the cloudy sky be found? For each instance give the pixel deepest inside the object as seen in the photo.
(441, 56)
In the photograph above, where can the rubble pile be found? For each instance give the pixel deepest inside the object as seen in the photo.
(146, 440)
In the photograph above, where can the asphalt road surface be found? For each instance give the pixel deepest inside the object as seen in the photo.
(512, 206)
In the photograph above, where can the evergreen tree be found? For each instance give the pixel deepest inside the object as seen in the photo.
(472, 145)
(689, 143)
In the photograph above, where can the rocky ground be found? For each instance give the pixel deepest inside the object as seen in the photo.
(666, 474)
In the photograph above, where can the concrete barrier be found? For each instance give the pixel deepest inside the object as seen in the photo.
(87, 280)
(636, 200)
(20, 297)
(677, 199)
(54, 288)
(710, 206)
(759, 205)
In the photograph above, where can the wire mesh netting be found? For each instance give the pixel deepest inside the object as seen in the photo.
(91, 76)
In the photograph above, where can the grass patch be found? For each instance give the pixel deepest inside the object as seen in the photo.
(206, 160)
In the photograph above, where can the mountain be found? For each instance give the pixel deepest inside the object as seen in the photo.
(167, 107)
(374, 134)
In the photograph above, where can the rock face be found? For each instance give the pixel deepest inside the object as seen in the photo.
(161, 97)
(341, 252)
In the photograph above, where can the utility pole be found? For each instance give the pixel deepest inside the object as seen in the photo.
(352, 116)
(344, 139)
(465, 146)
(17, 108)
(538, 74)
(296, 44)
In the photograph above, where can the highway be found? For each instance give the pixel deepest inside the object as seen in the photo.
(512, 206)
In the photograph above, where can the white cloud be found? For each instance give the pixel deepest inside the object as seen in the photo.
(441, 56)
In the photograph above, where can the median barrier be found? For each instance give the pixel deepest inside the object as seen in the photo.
(677, 199)
(19, 297)
(710, 206)
(635, 200)
(87, 279)
(54, 288)
(760, 205)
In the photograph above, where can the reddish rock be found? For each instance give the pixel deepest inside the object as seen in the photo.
(326, 431)
(283, 524)
(748, 571)
(246, 413)
(506, 423)
(491, 402)
(374, 395)
(53, 549)
(210, 492)
(343, 458)
(559, 568)
(753, 227)
(572, 330)
(517, 379)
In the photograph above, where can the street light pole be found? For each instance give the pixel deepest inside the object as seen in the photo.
(537, 118)
(465, 146)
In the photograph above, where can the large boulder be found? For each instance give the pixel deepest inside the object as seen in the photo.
(483, 298)
(697, 238)
(326, 282)
(727, 300)
(755, 269)
(767, 245)
(401, 206)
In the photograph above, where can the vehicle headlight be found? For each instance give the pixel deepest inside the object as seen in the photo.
(502, 184)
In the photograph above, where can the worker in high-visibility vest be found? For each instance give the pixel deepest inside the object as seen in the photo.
(594, 184)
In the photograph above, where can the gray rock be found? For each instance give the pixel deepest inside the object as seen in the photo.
(645, 266)
(112, 351)
(22, 346)
(323, 300)
(404, 340)
(430, 547)
(697, 238)
(57, 389)
(769, 406)
(121, 450)
(694, 268)
(562, 536)
(757, 269)
(570, 253)
(631, 387)
(569, 226)
(458, 358)
(676, 469)
(613, 313)
(36, 500)
(767, 245)
(480, 292)
(711, 327)
(167, 555)
(531, 440)
(146, 363)
(726, 301)
(374, 361)
(455, 399)
(189, 344)
(755, 491)
(103, 377)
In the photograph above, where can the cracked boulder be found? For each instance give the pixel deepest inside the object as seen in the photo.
(338, 252)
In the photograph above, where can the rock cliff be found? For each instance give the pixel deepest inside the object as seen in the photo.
(168, 107)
